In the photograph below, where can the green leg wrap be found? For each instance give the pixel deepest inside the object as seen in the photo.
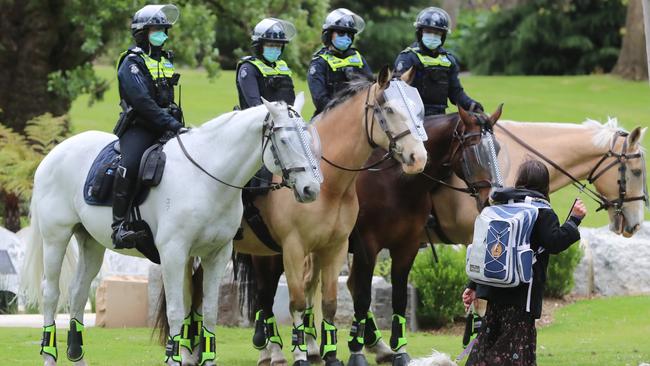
(272, 332)
(260, 338)
(173, 349)
(398, 333)
(195, 329)
(372, 332)
(328, 341)
(356, 338)
(75, 341)
(48, 342)
(186, 337)
(208, 347)
(308, 320)
(298, 338)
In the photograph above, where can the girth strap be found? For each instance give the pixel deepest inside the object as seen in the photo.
(256, 222)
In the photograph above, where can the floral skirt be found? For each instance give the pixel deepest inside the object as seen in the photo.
(507, 338)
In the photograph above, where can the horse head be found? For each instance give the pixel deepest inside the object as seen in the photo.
(620, 178)
(475, 160)
(294, 148)
(398, 110)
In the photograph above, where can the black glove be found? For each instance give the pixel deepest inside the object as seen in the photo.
(476, 107)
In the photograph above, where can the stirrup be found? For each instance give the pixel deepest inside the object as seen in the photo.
(124, 238)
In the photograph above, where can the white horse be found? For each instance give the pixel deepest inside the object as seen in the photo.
(190, 214)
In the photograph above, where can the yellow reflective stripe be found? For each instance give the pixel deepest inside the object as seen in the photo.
(441, 60)
(336, 63)
(281, 68)
(163, 68)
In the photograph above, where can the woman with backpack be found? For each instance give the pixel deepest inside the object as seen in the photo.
(508, 335)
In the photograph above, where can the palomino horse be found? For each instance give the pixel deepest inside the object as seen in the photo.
(189, 213)
(578, 149)
(392, 210)
(349, 128)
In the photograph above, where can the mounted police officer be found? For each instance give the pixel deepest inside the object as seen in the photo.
(436, 69)
(146, 77)
(337, 62)
(265, 75)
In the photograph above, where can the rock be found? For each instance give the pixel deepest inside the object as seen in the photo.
(613, 265)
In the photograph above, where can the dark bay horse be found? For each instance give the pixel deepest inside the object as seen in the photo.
(393, 209)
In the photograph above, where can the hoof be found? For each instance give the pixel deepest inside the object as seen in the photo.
(314, 359)
(401, 359)
(385, 358)
(264, 362)
(280, 363)
(301, 363)
(357, 359)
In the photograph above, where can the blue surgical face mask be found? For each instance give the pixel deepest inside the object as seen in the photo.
(342, 42)
(157, 38)
(431, 40)
(272, 54)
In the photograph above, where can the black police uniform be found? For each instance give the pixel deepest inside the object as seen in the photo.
(437, 81)
(324, 82)
(258, 78)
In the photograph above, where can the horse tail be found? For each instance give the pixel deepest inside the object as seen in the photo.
(161, 323)
(32, 269)
(244, 274)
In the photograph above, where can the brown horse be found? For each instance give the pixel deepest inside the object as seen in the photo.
(393, 209)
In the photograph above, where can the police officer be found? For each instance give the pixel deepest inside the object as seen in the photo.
(264, 74)
(436, 69)
(146, 79)
(337, 62)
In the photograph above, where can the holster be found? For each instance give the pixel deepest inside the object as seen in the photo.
(127, 117)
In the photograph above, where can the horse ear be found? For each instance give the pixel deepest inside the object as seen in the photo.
(636, 136)
(270, 106)
(464, 116)
(494, 118)
(384, 77)
(299, 102)
(409, 75)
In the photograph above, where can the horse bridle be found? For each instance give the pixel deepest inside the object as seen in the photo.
(268, 130)
(462, 137)
(619, 158)
(378, 114)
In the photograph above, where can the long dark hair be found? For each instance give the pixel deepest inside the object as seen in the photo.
(533, 175)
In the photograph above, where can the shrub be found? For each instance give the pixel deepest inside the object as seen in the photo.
(439, 285)
(559, 280)
(547, 37)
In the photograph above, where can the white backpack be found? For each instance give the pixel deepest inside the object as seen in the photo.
(500, 254)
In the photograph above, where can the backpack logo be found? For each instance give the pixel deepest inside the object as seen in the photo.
(497, 249)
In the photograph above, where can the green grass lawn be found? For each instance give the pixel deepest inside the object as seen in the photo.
(526, 98)
(612, 332)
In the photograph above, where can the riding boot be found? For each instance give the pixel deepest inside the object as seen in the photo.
(123, 238)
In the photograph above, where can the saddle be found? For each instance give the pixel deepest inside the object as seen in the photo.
(99, 185)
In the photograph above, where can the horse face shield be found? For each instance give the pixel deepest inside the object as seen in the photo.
(480, 162)
(404, 100)
(296, 148)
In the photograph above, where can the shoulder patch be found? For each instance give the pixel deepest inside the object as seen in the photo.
(400, 66)
(134, 69)
(312, 70)
(243, 73)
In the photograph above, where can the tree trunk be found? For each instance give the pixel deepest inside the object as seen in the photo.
(12, 212)
(632, 62)
(453, 8)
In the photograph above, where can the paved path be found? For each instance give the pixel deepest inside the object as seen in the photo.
(36, 320)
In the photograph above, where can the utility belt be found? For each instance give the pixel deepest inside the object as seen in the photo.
(434, 109)
(129, 117)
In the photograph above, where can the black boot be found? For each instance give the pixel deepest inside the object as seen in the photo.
(123, 238)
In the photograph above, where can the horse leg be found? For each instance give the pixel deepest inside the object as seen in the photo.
(214, 267)
(174, 258)
(293, 258)
(91, 256)
(402, 261)
(268, 270)
(312, 279)
(331, 260)
(359, 283)
(55, 242)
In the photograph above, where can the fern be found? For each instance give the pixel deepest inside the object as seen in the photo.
(20, 154)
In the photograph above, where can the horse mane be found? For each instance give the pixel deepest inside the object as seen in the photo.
(605, 131)
(352, 88)
(226, 117)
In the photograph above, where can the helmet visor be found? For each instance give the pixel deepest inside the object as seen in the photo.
(152, 15)
(272, 29)
(344, 19)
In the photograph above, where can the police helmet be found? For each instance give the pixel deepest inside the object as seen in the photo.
(154, 16)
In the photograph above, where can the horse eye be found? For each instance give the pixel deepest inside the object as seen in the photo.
(283, 140)
(389, 110)
(637, 172)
